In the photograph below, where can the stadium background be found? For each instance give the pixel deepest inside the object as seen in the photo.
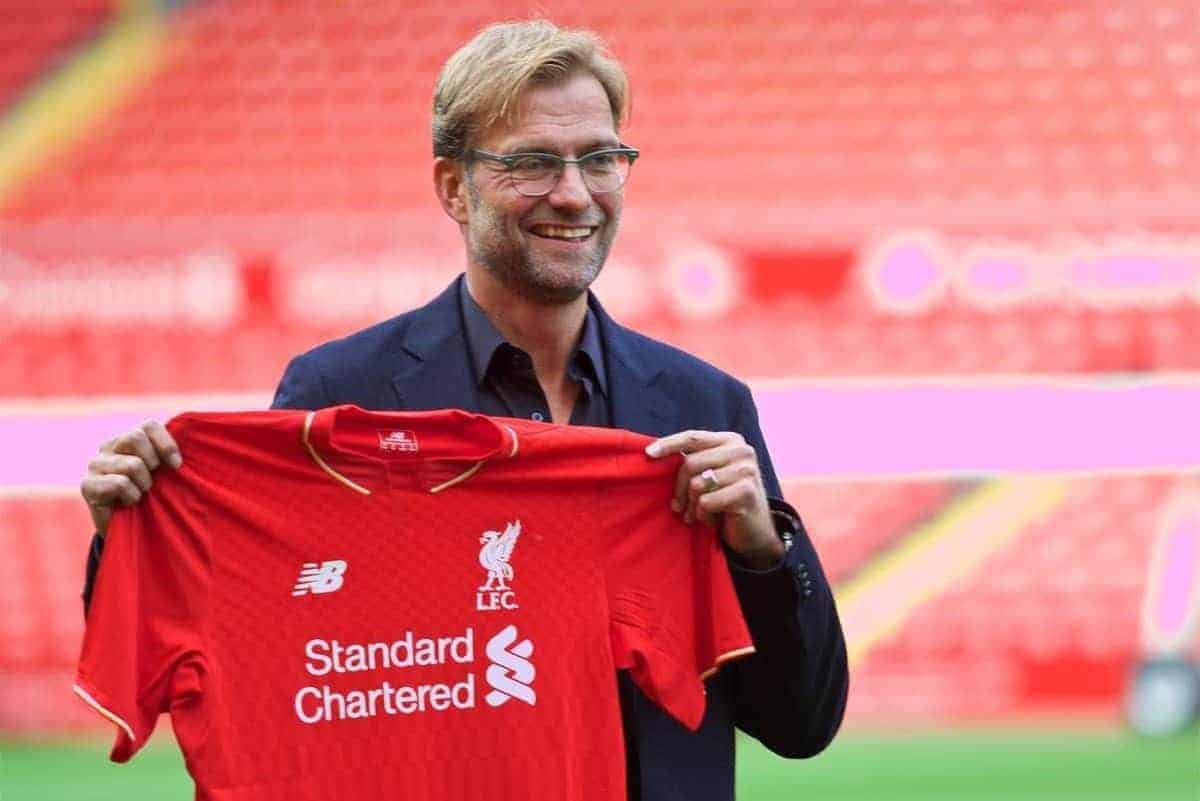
(953, 246)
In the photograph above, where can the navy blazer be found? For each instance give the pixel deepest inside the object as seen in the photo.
(790, 694)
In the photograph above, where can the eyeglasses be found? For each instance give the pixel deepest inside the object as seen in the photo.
(536, 174)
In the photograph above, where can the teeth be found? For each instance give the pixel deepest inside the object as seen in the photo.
(562, 232)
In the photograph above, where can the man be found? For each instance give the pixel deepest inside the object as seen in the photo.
(529, 164)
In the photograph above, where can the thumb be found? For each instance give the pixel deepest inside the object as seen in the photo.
(101, 515)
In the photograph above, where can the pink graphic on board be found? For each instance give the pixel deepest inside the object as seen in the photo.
(832, 431)
(1172, 606)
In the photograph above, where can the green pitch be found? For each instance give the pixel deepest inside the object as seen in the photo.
(922, 767)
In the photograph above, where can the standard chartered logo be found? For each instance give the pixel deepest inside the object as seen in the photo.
(511, 673)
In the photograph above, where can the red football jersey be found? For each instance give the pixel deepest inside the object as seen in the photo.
(344, 605)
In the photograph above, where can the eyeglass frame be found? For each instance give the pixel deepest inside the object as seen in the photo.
(507, 160)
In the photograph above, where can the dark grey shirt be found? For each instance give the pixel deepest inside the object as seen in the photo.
(504, 372)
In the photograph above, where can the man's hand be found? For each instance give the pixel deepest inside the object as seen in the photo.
(719, 484)
(120, 471)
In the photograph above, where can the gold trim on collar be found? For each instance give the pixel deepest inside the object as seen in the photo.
(458, 479)
(316, 457)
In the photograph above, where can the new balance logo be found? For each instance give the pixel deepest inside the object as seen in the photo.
(511, 672)
(320, 578)
(397, 440)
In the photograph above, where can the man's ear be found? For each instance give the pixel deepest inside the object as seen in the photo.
(450, 183)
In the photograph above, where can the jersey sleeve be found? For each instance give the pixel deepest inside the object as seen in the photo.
(675, 617)
(142, 648)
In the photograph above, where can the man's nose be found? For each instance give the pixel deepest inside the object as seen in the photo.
(570, 192)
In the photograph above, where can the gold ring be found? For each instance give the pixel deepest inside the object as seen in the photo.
(710, 480)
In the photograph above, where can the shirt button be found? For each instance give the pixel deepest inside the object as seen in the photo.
(538, 416)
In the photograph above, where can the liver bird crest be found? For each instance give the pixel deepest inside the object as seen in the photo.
(494, 556)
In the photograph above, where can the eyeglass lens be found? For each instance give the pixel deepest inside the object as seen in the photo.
(602, 172)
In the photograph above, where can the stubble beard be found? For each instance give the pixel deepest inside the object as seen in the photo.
(514, 267)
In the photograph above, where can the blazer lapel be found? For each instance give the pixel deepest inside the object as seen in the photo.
(433, 370)
(639, 402)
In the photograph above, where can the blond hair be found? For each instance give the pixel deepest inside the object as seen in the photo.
(483, 82)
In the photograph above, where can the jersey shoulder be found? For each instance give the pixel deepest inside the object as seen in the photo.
(606, 455)
(232, 425)
(262, 443)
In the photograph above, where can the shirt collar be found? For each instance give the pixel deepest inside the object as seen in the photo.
(365, 450)
(483, 339)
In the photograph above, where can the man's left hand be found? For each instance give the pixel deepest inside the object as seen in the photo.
(719, 484)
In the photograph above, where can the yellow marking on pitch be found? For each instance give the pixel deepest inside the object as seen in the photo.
(62, 109)
(880, 599)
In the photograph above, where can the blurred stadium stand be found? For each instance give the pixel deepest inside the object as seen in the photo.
(1048, 626)
(779, 150)
(855, 188)
(34, 39)
(851, 523)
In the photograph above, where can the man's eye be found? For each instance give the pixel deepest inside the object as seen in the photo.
(601, 163)
(528, 164)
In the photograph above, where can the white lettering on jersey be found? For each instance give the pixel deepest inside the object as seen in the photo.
(320, 578)
(511, 672)
(325, 656)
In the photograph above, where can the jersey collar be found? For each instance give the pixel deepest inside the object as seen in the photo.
(364, 450)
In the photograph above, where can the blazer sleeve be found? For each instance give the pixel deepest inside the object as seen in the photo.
(790, 694)
(95, 550)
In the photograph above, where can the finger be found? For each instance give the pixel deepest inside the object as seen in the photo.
(699, 511)
(720, 457)
(137, 443)
(109, 490)
(151, 442)
(164, 443)
(679, 495)
(735, 498)
(743, 472)
(101, 515)
(122, 464)
(724, 476)
(687, 442)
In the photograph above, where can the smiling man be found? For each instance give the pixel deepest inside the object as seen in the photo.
(548, 239)
(528, 162)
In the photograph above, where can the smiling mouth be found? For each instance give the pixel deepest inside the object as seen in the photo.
(563, 233)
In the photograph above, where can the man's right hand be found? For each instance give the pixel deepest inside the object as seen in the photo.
(121, 471)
